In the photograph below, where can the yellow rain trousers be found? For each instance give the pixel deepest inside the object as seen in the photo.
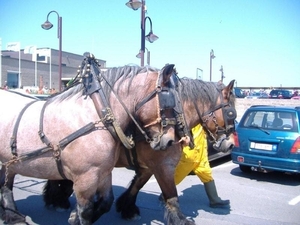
(196, 159)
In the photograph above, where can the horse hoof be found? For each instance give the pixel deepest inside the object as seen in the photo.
(136, 217)
(72, 218)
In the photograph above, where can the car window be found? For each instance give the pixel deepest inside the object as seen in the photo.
(273, 120)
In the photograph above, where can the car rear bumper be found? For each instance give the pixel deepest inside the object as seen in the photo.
(266, 162)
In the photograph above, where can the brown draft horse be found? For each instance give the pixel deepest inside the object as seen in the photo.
(208, 103)
(77, 134)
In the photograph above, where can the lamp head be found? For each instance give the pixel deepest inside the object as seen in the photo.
(151, 37)
(47, 25)
(134, 4)
(139, 55)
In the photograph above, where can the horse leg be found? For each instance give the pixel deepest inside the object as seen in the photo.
(9, 212)
(89, 211)
(103, 204)
(173, 214)
(57, 193)
(126, 202)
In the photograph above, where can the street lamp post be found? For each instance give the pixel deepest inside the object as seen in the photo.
(135, 5)
(212, 56)
(47, 25)
(222, 74)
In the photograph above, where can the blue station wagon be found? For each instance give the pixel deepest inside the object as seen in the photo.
(267, 138)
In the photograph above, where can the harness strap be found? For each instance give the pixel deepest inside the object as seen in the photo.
(46, 141)
(131, 156)
(13, 140)
(43, 137)
(57, 153)
(128, 113)
(181, 125)
(93, 86)
(146, 99)
(82, 131)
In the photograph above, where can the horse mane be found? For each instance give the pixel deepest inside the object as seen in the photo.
(122, 73)
(111, 75)
(208, 92)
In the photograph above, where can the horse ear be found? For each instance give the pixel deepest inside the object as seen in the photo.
(167, 72)
(228, 89)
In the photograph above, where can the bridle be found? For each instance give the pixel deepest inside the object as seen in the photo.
(167, 99)
(229, 115)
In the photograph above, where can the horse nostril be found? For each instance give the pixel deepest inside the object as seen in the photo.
(231, 146)
(170, 143)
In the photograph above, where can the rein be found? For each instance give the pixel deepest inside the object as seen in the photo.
(111, 123)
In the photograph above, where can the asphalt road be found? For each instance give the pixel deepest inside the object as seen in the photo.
(256, 198)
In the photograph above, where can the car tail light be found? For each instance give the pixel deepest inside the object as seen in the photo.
(236, 139)
(296, 146)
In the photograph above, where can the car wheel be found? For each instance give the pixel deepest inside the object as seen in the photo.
(245, 169)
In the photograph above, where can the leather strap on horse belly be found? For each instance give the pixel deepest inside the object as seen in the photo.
(62, 144)
(13, 140)
(46, 141)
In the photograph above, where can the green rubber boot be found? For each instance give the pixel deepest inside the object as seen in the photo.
(214, 200)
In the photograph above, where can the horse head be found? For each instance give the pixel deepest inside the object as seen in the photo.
(219, 121)
(213, 106)
(160, 126)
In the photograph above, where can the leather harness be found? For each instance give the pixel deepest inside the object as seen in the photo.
(90, 72)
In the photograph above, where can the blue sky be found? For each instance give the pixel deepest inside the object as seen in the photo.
(257, 42)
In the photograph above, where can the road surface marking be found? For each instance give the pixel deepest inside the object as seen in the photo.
(224, 165)
(295, 200)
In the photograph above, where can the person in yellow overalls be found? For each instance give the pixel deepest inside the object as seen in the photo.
(196, 160)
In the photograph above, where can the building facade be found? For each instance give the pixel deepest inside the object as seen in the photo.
(39, 68)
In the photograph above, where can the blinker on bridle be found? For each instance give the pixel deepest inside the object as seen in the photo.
(166, 99)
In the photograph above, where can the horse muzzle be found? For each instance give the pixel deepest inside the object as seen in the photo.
(223, 144)
(162, 142)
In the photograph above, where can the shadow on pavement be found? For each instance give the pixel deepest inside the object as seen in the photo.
(194, 199)
(273, 177)
(152, 212)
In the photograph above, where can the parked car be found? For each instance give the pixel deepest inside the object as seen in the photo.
(280, 93)
(267, 138)
(257, 95)
(238, 92)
